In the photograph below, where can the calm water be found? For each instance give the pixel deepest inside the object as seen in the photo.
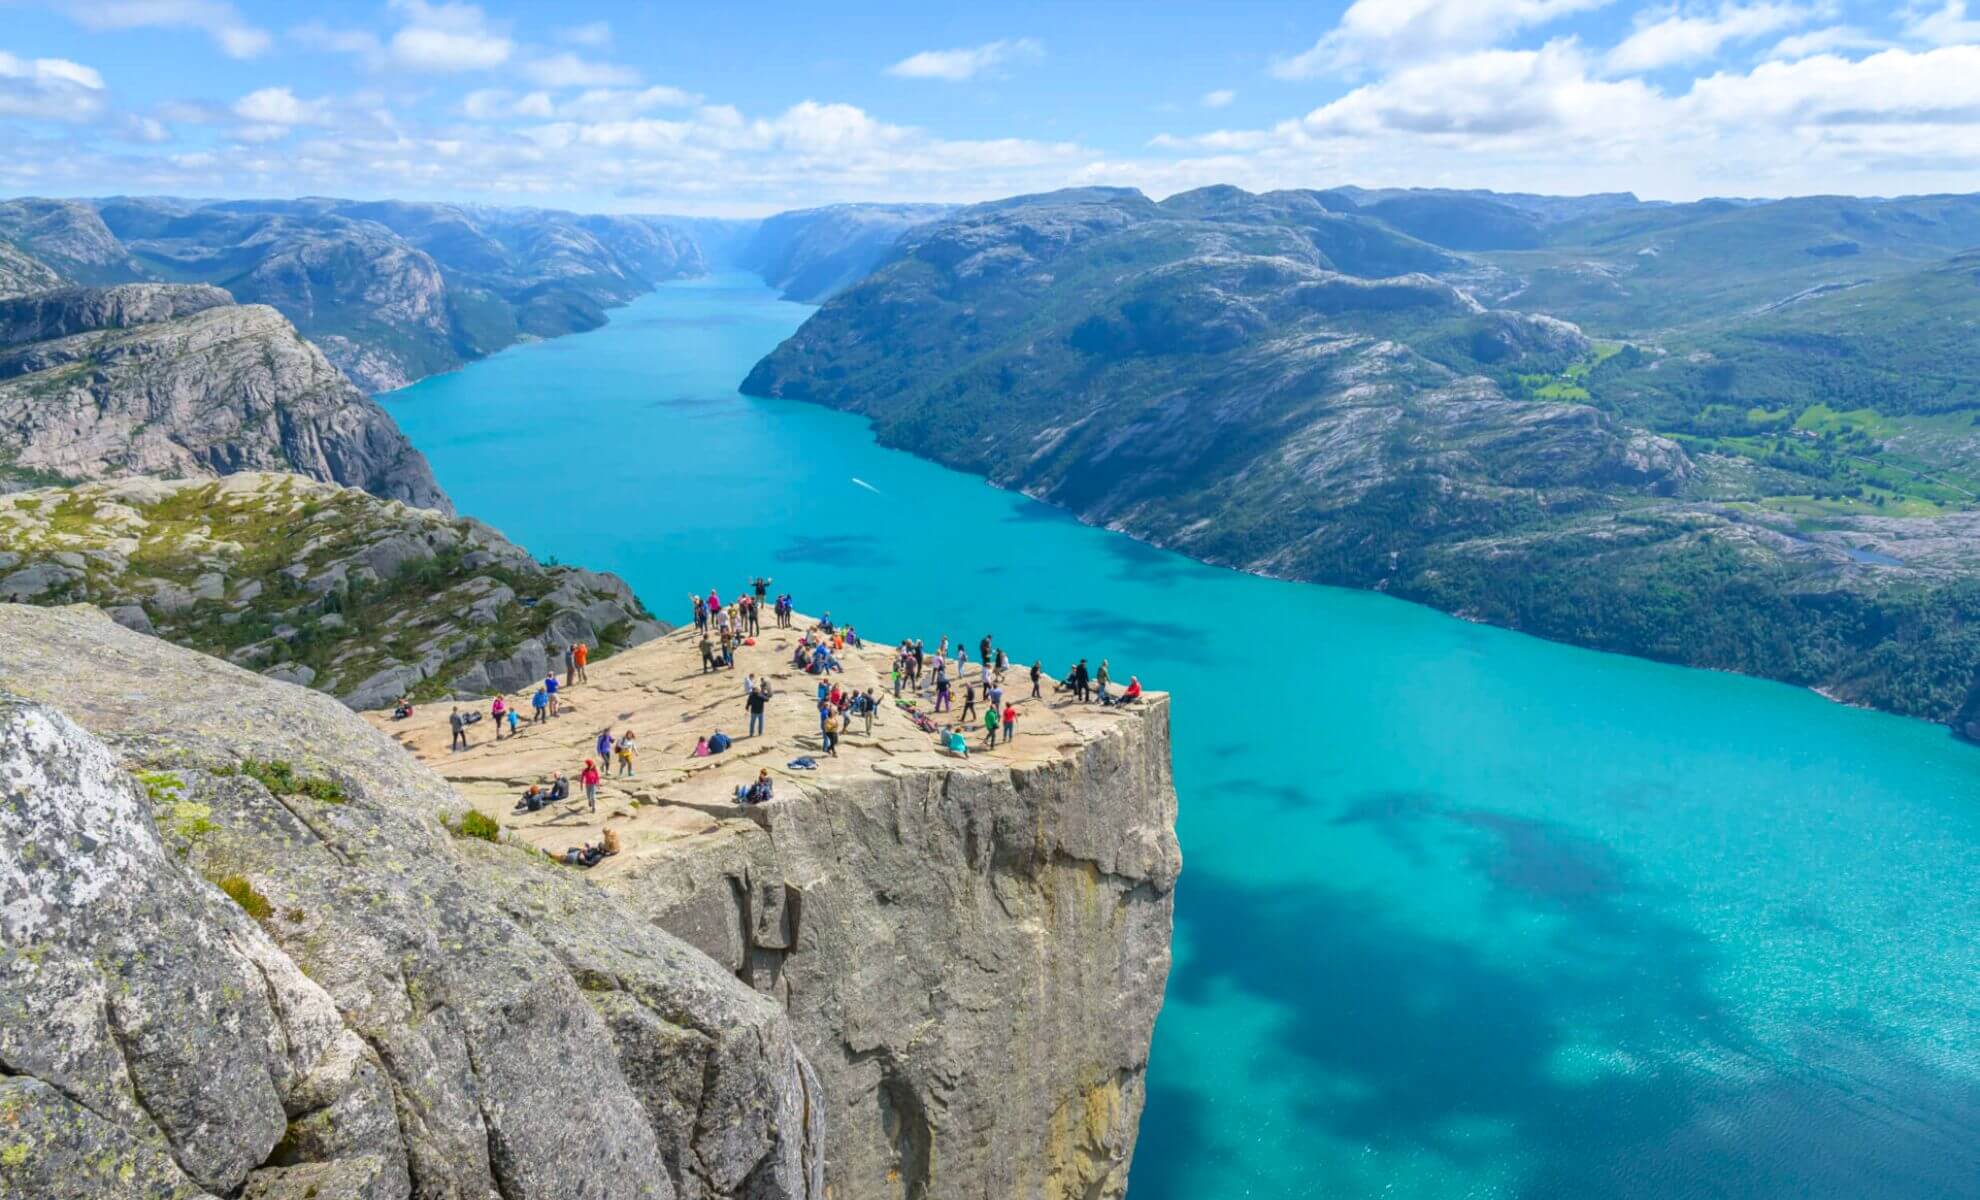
(1464, 913)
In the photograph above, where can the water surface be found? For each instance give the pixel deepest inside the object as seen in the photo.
(1464, 913)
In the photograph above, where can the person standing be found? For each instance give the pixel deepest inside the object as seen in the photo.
(496, 711)
(459, 726)
(757, 700)
(700, 614)
(707, 653)
(991, 719)
(872, 703)
(550, 686)
(830, 724)
(1037, 673)
(590, 780)
(581, 654)
(570, 665)
(540, 702)
(969, 701)
(604, 746)
(1100, 681)
(1010, 723)
(515, 720)
(626, 750)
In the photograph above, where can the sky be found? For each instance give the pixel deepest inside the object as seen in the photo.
(745, 109)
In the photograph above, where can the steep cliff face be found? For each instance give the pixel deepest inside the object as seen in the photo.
(22, 273)
(972, 951)
(331, 587)
(242, 957)
(165, 380)
(973, 959)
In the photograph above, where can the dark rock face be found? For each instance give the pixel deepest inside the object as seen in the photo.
(213, 988)
(173, 380)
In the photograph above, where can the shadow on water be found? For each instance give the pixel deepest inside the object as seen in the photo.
(1141, 636)
(1406, 1036)
(837, 550)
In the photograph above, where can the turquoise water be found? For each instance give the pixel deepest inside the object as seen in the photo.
(1464, 914)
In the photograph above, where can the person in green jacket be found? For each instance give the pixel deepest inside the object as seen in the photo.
(991, 718)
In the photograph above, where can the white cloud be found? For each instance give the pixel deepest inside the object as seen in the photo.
(1668, 38)
(49, 89)
(967, 62)
(1397, 31)
(1822, 41)
(279, 106)
(567, 70)
(592, 33)
(1947, 25)
(1221, 98)
(592, 104)
(220, 21)
(447, 38)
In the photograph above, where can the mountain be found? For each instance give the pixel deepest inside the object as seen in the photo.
(813, 253)
(1293, 384)
(258, 946)
(391, 291)
(21, 273)
(162, 379)
(330, 587)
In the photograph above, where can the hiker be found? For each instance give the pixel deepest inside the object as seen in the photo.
(459, 727)
(1082, 679)
(707, 654)
(1003, 663)
(560, 789)
(757, 700)
(589, 777)
(581, 654)
(1101, 681)
(832, 726)
(701, 749)
(941, 693)
(625, 750)
(402, 709)
(540, 706)
(1010, 723)
(954, 740)
(498, 708)
(1037, 673)
(991, 720)
(700, 613)
(570, 665)
(1133, 692)
(604, 745)
(867, 710)
(758, 792)
(515, 720)
(969, 701)
(532, 800)
(550, 688)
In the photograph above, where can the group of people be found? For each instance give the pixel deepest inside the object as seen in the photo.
(505, 715)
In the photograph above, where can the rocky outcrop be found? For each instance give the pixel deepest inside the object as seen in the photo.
(167, 380)
(242, 956)
(972, 951)
(68, 236)
(329, 587)
(21, 273)
(811, 254)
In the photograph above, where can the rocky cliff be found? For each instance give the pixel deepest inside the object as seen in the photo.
(241, 956)
(176, 380)
(331, 587)
(972, 952)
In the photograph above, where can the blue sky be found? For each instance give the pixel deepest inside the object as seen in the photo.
(752, 108)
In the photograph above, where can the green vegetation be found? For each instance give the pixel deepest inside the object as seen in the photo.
(476, 824)
(243, 893)
(281, 779)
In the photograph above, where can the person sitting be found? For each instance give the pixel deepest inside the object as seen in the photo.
(701, 748)
(718, 742)
(758, 792)
(1128, 695)
(955, 741)
(402, 709)
(532, 799)
(560, 789)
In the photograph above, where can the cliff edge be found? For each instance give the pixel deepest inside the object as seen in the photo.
(972, 951)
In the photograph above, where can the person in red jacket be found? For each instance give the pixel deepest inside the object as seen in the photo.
(581, 654)
(590, 780)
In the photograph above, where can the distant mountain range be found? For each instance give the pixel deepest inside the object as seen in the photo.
(1728, 434)
(393, 291)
